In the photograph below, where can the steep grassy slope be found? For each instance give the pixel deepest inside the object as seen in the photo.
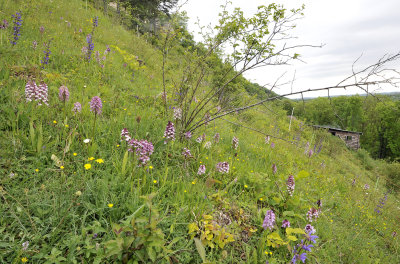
(78, 202)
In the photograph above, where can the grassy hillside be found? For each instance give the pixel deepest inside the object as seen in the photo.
(78, 202)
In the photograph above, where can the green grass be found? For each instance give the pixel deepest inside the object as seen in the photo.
(58, 210)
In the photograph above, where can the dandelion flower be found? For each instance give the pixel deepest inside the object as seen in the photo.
(62, 167)
(75, 154)
(88, 166)
(100, 161)
(110, 205)
(155, 181)
(150, 167)
(24, 260)
(37, 170)
(91, 158)
(54, 122)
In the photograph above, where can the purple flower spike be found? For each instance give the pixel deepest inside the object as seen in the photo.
(216, 137)
(96, 105)
(4, 25)
(125, 135)
(235, 143)
(169, 133)
(63, 93)
(309, 229)
(186, 153)
(17, 28)
(202, 170)
(188, 135)
(269, 220)
(285, 223)
(30, 91)
(302, 257)
(42, 93)
(274, 168)
(290, 185)
(77, 108)
(312, 214)
(223, 167)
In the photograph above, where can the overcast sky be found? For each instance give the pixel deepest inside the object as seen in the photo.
(347, 28)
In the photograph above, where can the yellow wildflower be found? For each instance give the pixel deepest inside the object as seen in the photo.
(100, 161)
(88, 166)
(75, 154)
(37, 170)
(24, 260)
(62, 167)
(245, 186)
(150, 167)
(54, 122)
(91, 158)
(155, 181)
(110, 205)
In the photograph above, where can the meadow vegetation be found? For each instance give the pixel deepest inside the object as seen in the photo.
(96, 165)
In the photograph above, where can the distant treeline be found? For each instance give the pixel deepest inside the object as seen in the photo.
(378, 118)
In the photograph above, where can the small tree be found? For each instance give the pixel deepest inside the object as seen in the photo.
(250, 43)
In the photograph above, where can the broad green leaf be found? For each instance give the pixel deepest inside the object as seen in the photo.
(302, 174)
(288, 213)
(124, 161)
(200, 248)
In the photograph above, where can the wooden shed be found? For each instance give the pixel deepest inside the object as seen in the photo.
(351, 138)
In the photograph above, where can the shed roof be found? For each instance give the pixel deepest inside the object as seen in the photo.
(337, 129)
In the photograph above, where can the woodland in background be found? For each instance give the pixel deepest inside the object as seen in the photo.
(377, 117)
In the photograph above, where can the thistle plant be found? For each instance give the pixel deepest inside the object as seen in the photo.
(17, 21)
